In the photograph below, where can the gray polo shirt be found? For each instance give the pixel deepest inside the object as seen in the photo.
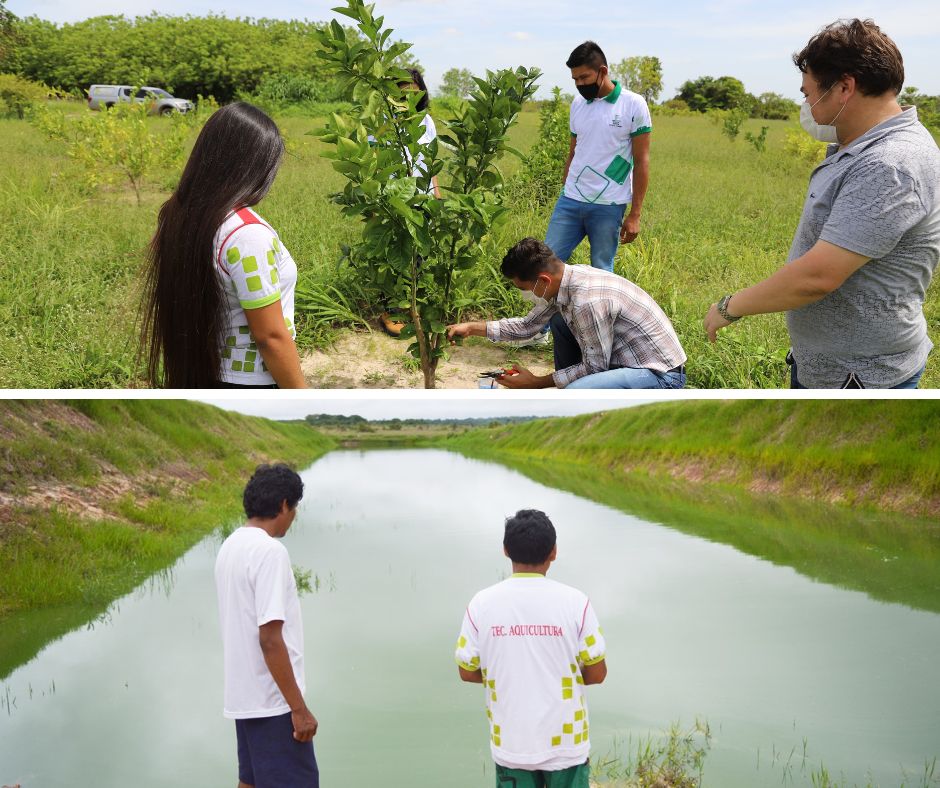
(878, 197)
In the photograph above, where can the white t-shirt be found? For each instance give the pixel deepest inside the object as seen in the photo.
(601, 171)
(255, 585)
(255, 270)
(430, 133)
(530, 636)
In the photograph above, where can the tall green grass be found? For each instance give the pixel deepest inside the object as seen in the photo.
(870, 452)
(719, 216)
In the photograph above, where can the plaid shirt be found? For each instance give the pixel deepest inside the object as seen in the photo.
(616, 324)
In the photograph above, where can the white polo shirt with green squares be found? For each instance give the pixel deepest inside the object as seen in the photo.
(255, 270)
(601, 171)
(530, 637)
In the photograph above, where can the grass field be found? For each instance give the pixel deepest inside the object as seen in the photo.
(719, 216)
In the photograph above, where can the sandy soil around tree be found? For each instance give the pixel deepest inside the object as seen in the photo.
(360, 359)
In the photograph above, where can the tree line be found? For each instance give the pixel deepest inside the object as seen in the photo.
(188, 55)
(276, 62)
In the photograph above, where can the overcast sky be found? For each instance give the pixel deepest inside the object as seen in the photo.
(749, 39)
(418, 405)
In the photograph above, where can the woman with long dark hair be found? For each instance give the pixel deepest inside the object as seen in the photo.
(218, 308)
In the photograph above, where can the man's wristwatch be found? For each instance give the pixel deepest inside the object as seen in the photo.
(723, 309)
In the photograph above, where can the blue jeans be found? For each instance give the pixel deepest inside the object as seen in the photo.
(568, 353)
(910, 383)
(572, 220)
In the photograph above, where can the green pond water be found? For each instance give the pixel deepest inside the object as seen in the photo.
(803, 635)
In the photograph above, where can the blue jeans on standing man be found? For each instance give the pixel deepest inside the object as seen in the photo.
(568, 353)
(572, 220)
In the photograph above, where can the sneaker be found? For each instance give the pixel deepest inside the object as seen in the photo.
(390, 325)
(539, 340)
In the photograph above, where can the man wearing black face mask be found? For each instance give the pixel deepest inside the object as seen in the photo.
(608, 163)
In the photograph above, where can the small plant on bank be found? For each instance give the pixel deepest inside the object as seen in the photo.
(415, 247)
(676, 761)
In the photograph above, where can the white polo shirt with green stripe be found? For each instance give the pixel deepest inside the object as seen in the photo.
(601, 171)
(530, 637)
(255, 270)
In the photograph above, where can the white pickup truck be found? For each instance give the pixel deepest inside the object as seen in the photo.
(106, 96)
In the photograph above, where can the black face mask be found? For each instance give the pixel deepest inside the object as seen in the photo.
(589, 92)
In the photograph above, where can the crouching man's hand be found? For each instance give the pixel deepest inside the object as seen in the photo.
(463, 330)
(517, 377)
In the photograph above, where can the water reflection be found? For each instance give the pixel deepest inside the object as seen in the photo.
(695, 628)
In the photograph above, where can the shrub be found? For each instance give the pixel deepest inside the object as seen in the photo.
(18, 96)
(120, 144)
(414, 247)
(730, 121)
(799, 144)
(759, 141)
(541, 175)
(672, 108)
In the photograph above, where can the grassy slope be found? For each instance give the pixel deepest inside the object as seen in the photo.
(880, 453)
(868, 455)
(190, 461)
(718, 216)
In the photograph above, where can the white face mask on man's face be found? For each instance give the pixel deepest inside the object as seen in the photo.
(824, 132)
(533, 298)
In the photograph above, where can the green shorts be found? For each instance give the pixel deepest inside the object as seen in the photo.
(572, 777)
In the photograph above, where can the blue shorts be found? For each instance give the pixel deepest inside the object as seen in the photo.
(270, 757)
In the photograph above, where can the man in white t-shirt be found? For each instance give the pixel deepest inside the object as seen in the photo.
(607, 166)
(262, 639)
(534, 644)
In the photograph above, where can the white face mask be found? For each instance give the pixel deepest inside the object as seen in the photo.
(532, 298)
(824, 132)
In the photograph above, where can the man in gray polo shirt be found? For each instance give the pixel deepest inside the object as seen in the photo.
(869, 238)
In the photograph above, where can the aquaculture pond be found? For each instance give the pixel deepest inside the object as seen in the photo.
(807, 637)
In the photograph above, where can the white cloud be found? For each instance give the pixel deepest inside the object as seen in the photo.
(521, 36)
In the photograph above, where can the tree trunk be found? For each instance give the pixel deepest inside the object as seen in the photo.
(427, 367)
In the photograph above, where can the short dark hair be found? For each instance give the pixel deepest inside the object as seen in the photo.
(418, 79)
(587, 54)
(529, 537)
(857, 48)
(527, 259)
(268, 487)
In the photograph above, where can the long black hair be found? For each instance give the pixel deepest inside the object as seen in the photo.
(232, 166)
(418, 79)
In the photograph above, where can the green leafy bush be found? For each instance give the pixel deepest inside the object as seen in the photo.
(18, 96)
(540, 178)
(759, 141)
(799, 144)
(414, 247)
(121, 144)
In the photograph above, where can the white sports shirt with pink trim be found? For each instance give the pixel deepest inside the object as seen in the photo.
(530, 637)
(255, 270)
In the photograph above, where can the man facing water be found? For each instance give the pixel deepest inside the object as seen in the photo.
(534, 644)
(263, 640)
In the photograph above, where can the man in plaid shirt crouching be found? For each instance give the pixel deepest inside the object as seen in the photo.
(609, 333)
